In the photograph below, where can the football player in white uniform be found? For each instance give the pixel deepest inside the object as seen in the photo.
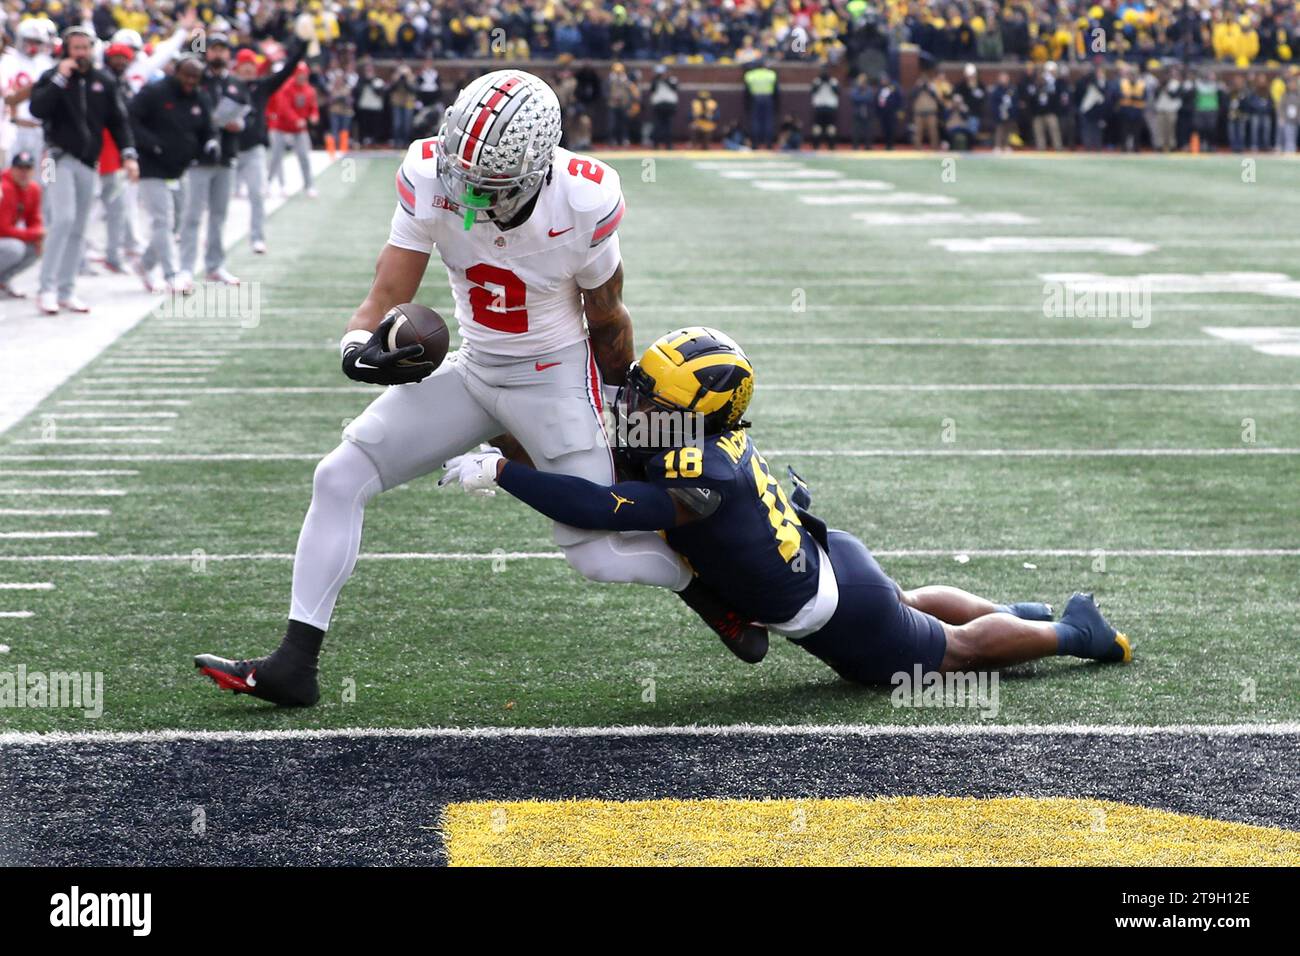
(149, 66)
(528, 234)
(35, 37)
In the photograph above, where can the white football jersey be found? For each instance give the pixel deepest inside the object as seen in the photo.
(8, 64)
(24, 71)
(517, 292)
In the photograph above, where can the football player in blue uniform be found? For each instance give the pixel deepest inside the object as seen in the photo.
(698, 478)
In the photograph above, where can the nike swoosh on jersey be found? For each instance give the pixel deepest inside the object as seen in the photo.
(552, 233)
(542, 367)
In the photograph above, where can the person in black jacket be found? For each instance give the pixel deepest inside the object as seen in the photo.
(173, 128)
(250, 167)
(209, 184)
(76, 102)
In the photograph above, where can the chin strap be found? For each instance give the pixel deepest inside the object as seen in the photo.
(473, 201)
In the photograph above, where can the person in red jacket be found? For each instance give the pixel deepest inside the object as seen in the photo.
(22, 232)
(289, 114)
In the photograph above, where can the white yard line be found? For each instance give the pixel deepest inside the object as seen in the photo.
(67, 416)
(64, 492)
(26, 585)
(139, 380)
(178, 457)
(25, 738)
(42, 535)
(79, 429)
(56, 512)
(119, 403)
(65, 472)
(87, 441)
(795, 342)
(454, 556)
(12, 614)
(1035, 387)
(1028, 452)
(1246, 450)
(787, 387)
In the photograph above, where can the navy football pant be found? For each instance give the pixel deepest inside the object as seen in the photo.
(872, 635)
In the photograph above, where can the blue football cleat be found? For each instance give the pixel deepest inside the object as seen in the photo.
(1031, 611)
(1101, 642)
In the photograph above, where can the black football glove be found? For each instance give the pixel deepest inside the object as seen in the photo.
(372, 362)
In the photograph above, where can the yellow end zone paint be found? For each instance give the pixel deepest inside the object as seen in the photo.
(890, 831)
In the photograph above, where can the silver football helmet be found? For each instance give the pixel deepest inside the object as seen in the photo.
(496, 144)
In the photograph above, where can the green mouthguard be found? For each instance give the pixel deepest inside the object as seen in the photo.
(474, 201)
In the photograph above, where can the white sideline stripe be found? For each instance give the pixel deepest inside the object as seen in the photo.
(65, 492)
(800, 387)
(79, 415)
(55, 512)
(30, 738)
(17, 614)
(63, 472)
(41, 535)
(559, 556)
(26, 586)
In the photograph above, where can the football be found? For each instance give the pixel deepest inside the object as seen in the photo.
(418, 325)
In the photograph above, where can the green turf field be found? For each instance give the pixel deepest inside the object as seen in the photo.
(452, 635)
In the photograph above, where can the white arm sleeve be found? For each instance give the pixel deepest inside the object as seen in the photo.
(600, 265)
(407, 232)
(163, 54)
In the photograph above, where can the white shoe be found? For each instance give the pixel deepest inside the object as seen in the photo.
(73, 304)
(48, 303)
(146, 276)
(259, 247)
(8, 290)
(312, 193)
(223, 275)
(183, 283)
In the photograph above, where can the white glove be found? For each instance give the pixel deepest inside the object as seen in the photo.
(476, 471)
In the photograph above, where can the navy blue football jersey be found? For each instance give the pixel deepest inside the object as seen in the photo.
(750, 547)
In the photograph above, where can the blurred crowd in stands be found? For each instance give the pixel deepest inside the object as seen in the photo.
(1229, 31)
(154, 113)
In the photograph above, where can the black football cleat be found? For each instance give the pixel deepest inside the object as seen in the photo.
(746, 640)
(289, 683)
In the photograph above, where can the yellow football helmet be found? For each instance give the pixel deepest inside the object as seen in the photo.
(696, 370)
